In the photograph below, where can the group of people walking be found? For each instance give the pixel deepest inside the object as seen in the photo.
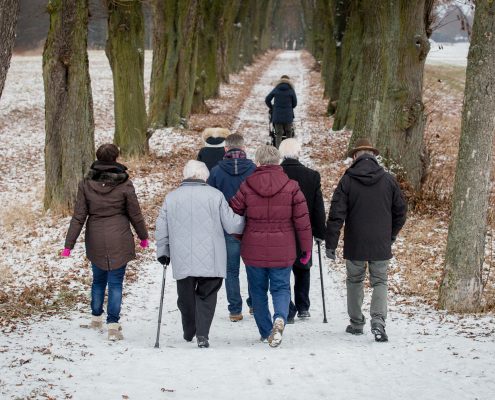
(266, 212)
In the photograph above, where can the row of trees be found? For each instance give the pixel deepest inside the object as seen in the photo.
(196, 45)
(372, 57)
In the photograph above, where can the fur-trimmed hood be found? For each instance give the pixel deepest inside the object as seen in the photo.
(215, 133)
(106, 175)
(287, 81)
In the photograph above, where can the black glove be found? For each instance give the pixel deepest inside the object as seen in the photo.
(330, 254)
(164, 260)
(394, 238)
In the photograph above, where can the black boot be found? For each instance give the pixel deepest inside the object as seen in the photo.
(379, 332)
(202, 342)
(354, 331)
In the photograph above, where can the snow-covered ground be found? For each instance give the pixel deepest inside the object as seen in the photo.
(448, 53)
(430, 355)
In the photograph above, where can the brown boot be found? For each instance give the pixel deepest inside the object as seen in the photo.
(236, 317)
(115, 332)
(275, 337)
(97, 322)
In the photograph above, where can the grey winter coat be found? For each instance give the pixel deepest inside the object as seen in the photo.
(190, 230)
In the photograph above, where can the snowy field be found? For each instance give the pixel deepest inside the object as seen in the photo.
(431, 355)
(448, 53)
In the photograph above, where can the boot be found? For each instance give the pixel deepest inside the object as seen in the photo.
(379, 332)
(96, 322)
(115, 332)
(354, 331)
(236, 317)
(275, 337)
(303, 314)
(203, 342)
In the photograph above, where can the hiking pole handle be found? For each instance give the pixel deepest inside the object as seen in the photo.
(157, 343)
(322, 286)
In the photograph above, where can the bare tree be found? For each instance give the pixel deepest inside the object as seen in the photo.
(9, 11)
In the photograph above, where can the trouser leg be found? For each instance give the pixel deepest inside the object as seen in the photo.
(115, 284)
(378, 280)
(258, 290)
(206, 302)
(98, 287)
(232, 286)
(186, 301)
(301, 288)
(356, 272)
(280, 291)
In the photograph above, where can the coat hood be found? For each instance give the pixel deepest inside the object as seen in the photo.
(103, 177)
(236, 166)
(215, 133)
(366, 170)
(268, 180)
(284, 84)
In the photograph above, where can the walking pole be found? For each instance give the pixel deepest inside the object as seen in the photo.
(157, 343)
(322, 287)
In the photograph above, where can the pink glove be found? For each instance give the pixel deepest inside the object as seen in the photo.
(65, 253)
(305, 258)
(144, 243)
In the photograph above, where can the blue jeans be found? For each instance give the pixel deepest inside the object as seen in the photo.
(114, 280)
(278, 280)
(232, 285)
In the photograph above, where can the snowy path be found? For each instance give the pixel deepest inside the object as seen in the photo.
(425, 358)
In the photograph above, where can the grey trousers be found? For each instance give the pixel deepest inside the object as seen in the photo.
(282, 130)
(356, 273)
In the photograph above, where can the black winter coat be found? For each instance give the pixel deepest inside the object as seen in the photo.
(213, 152)
(309, 182)
(368, 199)
(284, 103)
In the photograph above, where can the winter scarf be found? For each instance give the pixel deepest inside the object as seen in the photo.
(235, 153)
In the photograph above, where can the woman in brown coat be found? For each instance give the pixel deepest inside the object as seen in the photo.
(107, 203)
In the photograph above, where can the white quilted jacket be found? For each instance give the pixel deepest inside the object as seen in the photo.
(190, 230)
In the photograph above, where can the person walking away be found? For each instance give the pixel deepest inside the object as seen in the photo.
(214, 148)
(368, 199)
(309, 182)
(107, 203)
(282, 109)
(277, 221)
(190, 235)
(227, 176)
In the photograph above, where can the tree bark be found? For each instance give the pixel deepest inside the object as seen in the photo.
(9, 11)
(69, 124)
(125, 52)
(461, 287)
(175, 48)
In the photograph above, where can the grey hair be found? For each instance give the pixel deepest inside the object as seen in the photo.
(234, 141)
(361, 152)
(196, 170)
(267, 155)
(290, 148)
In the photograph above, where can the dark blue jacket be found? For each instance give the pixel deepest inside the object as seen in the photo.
(228, 175)
(284, 103)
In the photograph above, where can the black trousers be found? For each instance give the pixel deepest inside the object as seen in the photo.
(283, 131)
(301, 291)
(197, 300)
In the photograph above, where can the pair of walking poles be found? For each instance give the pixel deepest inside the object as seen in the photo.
(157, 343)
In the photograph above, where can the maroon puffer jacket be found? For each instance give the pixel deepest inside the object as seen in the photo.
(275, 211)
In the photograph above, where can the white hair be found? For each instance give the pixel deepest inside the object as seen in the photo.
(361, 152)
(196, 170)
(290, 148)
(267, 155)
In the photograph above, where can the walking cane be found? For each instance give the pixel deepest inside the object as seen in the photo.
(157, 343)
(322, 288)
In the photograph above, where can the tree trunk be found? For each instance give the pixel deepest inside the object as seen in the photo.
(380, 97)
(175, 48)
(461, 287)
(226, 30)
(9, 11)
(69, 125)
(125, 52)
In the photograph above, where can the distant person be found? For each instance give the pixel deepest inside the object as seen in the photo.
(227, 176)
(309, 182)
(370, 203)
(190, 235)
(277, 221)
(214, 148)
(282, 109)
(107, 204)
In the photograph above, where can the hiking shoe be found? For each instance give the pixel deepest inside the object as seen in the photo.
(303, 314)
(354, 331)
(379, 332)
(203, 342)
(275, 337)
(115, 332)
(290, 320)
(235, 317)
